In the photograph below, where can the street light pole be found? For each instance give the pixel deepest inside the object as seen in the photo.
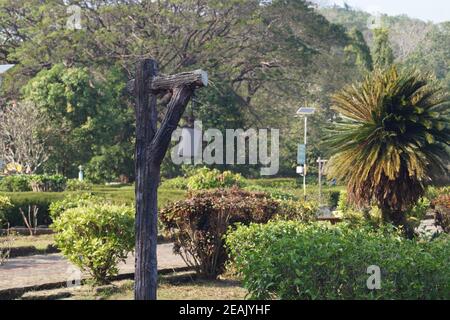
(304, 166)
(305, 112)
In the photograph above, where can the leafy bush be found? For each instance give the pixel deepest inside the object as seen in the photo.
(297, 210)
(205, 178)
(71, 201)
(175, 183)
(24, 200)
(96, 237)
(36, 183)
(77, 185)
(46, 183)
(199, 223)
(17, 183)
(358, 216)
(291, 260)
(5, 203)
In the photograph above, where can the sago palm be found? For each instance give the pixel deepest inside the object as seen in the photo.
(392, 139)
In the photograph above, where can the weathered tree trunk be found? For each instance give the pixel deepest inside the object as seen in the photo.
(151, 146)
(146, 185)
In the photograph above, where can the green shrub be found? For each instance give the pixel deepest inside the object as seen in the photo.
(17, 183)
(96, 237)
(175, 183)
(77, 185)
(205, 178)
(72, 201)
(46, 183)
(36, 183)
(199, 223)
(297, 210)
(291, 260)
(358, 216)
(23, 200)
(5, 203)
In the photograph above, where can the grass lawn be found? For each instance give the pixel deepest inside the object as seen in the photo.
(181, 286)
(195, 290)
(39, 242)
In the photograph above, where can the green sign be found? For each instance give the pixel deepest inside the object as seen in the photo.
(301, 155)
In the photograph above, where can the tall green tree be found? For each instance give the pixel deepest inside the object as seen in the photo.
(86, 115)
(391, 141)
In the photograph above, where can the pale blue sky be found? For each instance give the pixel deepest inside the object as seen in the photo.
(428, 10)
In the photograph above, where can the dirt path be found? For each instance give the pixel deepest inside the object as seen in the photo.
(44, 269)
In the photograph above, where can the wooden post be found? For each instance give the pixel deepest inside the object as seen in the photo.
(151, 146)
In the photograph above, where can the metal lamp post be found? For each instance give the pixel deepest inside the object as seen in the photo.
(305, 112)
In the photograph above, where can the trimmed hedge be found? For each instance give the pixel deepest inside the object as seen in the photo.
(23, 200)
(117, 195)
(36, 183)
(291, 260)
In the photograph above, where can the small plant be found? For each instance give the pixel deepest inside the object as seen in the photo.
(96, 237)
(31, 219)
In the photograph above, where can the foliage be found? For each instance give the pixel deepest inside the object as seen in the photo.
(78, 76)
(46, 183)
(385, 146)
(96, 237)
(368, 216)
(112, 164)
(205, 178)
(77, 185)
(5, 203)
(36, 183)
(383, 56)
(16, 183)
(442, 206)
(175, 183)
(71, 201)
(297, 210)
(274, 193)
(82, 111)
(199, 223)
(361, 50)
(291, 260)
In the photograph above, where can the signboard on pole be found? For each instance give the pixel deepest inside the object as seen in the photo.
(301, 155)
